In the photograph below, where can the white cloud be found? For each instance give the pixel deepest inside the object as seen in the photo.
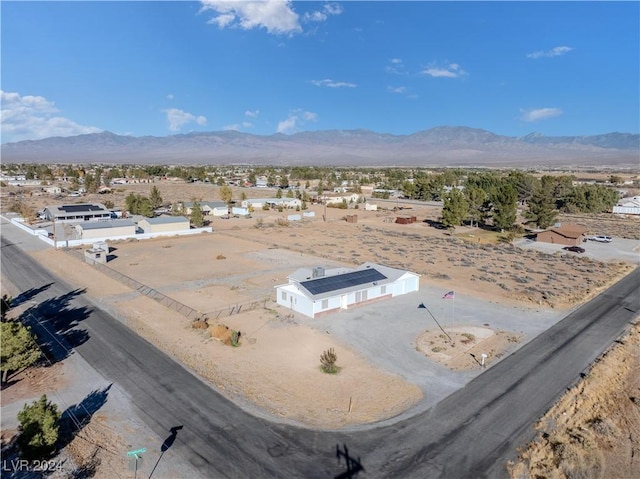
(452, 70)
(321, 15)
(395, 66)
(554, 52)
(539, 114)
(170, 96)
(397, 89)
(33, 117)
(276, 16)
(295, 120)
(333, 84)
(252, 114)
(238, 126)
(178, 118)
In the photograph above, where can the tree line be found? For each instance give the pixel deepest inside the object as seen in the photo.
(489, 198)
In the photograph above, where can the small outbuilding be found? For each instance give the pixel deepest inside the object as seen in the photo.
(568, 234)
(104, 229)
(164, 224)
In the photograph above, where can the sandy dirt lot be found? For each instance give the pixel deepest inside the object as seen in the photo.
(244, 259)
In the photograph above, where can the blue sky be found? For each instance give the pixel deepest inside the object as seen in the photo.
(262, 67)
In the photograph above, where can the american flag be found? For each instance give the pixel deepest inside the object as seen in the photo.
(449, 295)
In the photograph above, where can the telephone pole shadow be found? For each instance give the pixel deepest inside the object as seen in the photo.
(168, 442)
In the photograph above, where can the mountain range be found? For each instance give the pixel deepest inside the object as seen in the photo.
(440, 146)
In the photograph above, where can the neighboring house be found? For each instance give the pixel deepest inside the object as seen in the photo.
(207, 207)
(78, 212)
(262, 182)
(258, 203)
(315, 292)
(568, 234)
(52, 190)
(628, 206)
(330, 198)
(104, 229)
(164, 224)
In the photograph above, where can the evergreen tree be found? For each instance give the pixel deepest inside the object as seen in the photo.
(455, 208)
(39, 428)
(155, 198)
(197, 216)
(542, 207)
(475, 201)
(19, 349)
(505, 204)
(279, 193)
(5, 306)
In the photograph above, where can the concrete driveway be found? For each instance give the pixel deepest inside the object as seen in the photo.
(385, 334)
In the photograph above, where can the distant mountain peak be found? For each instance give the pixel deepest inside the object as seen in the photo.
(438, 146)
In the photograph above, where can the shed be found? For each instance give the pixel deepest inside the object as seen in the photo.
(105, 229)
(569, 234)
(351, 218)
(164, 224)
(405, 220)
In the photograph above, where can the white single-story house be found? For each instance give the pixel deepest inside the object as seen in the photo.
(164, 224)
(104, 229)
(330, 198)
(317, 291)
(77, 212)
(220, 210)
(628, 206)
(52, 190)
(207, 207)
(258, 203)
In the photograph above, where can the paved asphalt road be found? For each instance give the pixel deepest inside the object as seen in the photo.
(472, 433)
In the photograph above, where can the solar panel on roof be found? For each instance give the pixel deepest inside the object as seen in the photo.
(78, 208)
(342, 281)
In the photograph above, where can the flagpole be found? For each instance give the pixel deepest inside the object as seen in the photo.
(453, 310)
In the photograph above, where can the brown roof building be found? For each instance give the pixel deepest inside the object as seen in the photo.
(569, 234)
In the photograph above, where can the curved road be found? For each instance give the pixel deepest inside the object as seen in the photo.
(472, 433)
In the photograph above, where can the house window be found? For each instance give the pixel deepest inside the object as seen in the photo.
(365, 295)
(284, 296)
(325, 304)
(358, 296)
(383, 289)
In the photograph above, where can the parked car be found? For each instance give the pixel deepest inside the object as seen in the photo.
(601, 238)
(575, 249)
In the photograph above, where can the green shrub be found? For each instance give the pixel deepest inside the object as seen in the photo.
(328, 361)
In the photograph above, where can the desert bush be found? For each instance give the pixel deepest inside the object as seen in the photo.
(199, 324)
(235, 338)
(328, 361)
(281, 222)
(468, 338)
(221, 256)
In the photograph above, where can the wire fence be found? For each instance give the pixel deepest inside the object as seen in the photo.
(177, 306)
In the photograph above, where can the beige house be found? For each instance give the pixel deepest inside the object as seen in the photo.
(164, 224)
(104, 229)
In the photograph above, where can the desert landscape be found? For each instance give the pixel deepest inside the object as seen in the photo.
(229, 276)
